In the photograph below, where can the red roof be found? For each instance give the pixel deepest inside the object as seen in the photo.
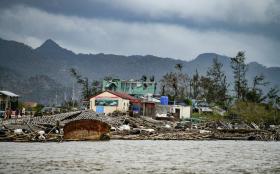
(123, 96)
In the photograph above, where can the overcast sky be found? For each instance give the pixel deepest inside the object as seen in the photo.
(180, 29)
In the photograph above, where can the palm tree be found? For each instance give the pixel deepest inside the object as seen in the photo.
(179, 66)
(144, 78)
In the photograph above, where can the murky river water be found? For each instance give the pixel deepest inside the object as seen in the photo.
(141, 157)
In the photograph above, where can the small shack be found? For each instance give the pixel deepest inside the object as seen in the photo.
(8, 100)
(180, 112)
(110, 101)
(148, 108)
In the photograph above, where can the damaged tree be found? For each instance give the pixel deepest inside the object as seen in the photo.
(88, 89)
(239, 70)
(174, 84)
(218, 83)
(255, 94)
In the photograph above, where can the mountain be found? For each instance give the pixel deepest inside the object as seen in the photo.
(21, 57)
(53, 51)
(52, 60)
(99, 65)
(39, 88)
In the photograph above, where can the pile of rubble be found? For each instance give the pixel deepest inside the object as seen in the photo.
(50, 128)
(45, 128)
(145, 128)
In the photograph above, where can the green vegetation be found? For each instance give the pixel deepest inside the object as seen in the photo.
(239, 70)
(188, 102)
(217, 84)
(248, 112)
(256, 112)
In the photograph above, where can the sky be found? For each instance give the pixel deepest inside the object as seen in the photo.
(180, 29)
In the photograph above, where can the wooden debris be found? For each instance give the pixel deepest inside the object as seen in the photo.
(88, 125)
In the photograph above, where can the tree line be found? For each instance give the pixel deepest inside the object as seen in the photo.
(245, 101)
(214, 88)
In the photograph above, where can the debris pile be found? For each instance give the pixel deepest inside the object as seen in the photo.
(146, 128)
(50, 128)
(45, 128)
(28, 135)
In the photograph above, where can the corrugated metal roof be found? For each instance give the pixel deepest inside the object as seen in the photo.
(8, 93)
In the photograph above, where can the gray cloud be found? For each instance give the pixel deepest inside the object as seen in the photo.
(237, 11)
(179, 29)
(251, 16)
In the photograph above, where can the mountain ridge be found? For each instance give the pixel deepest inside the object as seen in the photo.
(53, 60)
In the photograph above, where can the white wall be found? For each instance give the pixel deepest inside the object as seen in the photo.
(185, 111)
(123, 104)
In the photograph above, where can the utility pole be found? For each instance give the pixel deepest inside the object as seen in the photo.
(56, 103)
(73, 94)
(65, 97)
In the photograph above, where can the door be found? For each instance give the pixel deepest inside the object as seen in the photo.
(177, 113)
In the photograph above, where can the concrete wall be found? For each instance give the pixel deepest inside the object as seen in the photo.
(123, 104)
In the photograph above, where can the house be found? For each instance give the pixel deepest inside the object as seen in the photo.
(8, 100)
(110, 101)
(131, 87)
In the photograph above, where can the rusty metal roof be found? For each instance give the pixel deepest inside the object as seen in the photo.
(123, 96)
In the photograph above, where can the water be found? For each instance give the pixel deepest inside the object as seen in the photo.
(118, 156)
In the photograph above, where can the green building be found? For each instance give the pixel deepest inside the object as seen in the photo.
(131, 87)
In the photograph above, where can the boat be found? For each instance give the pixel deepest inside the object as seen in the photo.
(87, 130)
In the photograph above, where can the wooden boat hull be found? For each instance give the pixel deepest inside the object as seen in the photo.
(86, 130)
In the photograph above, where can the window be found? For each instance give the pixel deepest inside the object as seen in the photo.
(106, 102)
